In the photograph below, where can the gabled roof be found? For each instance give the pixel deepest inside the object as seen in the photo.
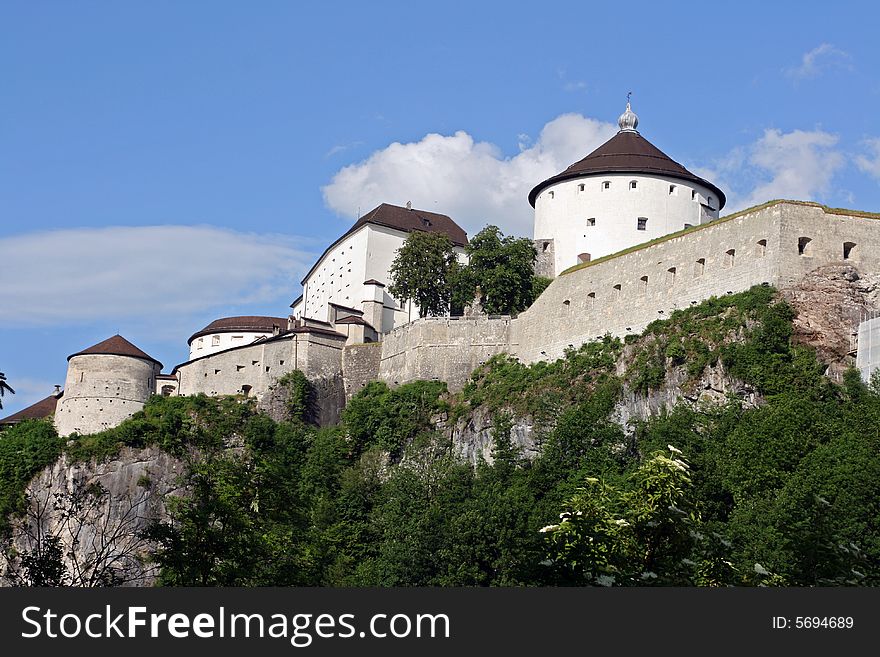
(251, 323)
(405, 220)
(43, 408)
(627, 152)
(115, 346)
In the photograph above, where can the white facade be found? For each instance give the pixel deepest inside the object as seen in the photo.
(339, 277)
(599, 214)
(222, 340)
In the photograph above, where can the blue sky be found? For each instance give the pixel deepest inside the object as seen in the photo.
(166, 163)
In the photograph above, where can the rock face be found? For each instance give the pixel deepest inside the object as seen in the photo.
(97, 512)
(829, 302)
(472, 439)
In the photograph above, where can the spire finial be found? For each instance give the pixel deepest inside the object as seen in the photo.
(628, 121)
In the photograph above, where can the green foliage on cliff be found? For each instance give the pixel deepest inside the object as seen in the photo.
(25, 449)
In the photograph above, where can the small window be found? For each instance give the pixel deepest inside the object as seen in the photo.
(545, 246)
(849, 250)
(591, 222)
(606, 184)
(709, 202)
(729, 257)
(616, 291)
(581, 187)
(693, 195)
(166, 391)
(688, 225)
(591, 300)
(670, 276)
(246, 390)
(215, 340)
(633, 184)
(672, 190)
(567, 302)
(804, 248)
(761, 248)
(427, 223)
(643, 284)
(642, 223)
(550, 194)
(699, 267)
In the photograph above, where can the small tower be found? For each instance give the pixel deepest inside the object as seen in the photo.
(626, 192)
(106, 384)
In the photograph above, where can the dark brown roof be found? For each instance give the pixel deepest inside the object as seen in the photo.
(627, 152)
(405, 220)
(353, 319)
(115, 346)
(43, 408)
(373, 281)
(244, 323)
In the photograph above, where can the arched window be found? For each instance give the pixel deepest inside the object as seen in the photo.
(699, 267)
(672, 190)
(849, 250)
(709, 202)
(761, 248)
(615, 294)
(729, 257)
(591, 222)
(550, 194)
(804, 247)
(581, 187)
(633, 184)
(246, 390)
(166, 391)
(591, 300)
(606, 185)
(643, 284)
(670, 276)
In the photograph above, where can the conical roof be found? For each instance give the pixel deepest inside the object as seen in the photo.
(115, 346)
(627, 152)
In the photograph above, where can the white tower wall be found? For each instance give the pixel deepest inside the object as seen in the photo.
(564, 210)
(103, 390)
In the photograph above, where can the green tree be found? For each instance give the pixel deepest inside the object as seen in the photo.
(502, 266)
(421, 271)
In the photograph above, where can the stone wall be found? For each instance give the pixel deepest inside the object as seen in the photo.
(776, 244)
(442, 348)
(360, 365)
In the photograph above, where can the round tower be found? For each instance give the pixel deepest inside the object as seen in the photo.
(106, 384)
(624, 193)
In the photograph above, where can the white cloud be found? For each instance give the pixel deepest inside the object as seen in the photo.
(152, 272)
(471, 181)
(821, 58)
(870, 164)
(793, 165)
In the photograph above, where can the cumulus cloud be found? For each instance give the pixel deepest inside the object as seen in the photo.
(471, 181)
(870, 163)
(821, 58)
(793, 165)
(150, 272)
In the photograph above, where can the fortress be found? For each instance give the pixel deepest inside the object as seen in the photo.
(627, 234)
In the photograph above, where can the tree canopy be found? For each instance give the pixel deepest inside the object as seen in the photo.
(421, 272)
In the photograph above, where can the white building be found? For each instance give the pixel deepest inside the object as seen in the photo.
(624, 193)
(350, 277)
(228, 332)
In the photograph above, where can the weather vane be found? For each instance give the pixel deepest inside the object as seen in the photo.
(627, 97)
